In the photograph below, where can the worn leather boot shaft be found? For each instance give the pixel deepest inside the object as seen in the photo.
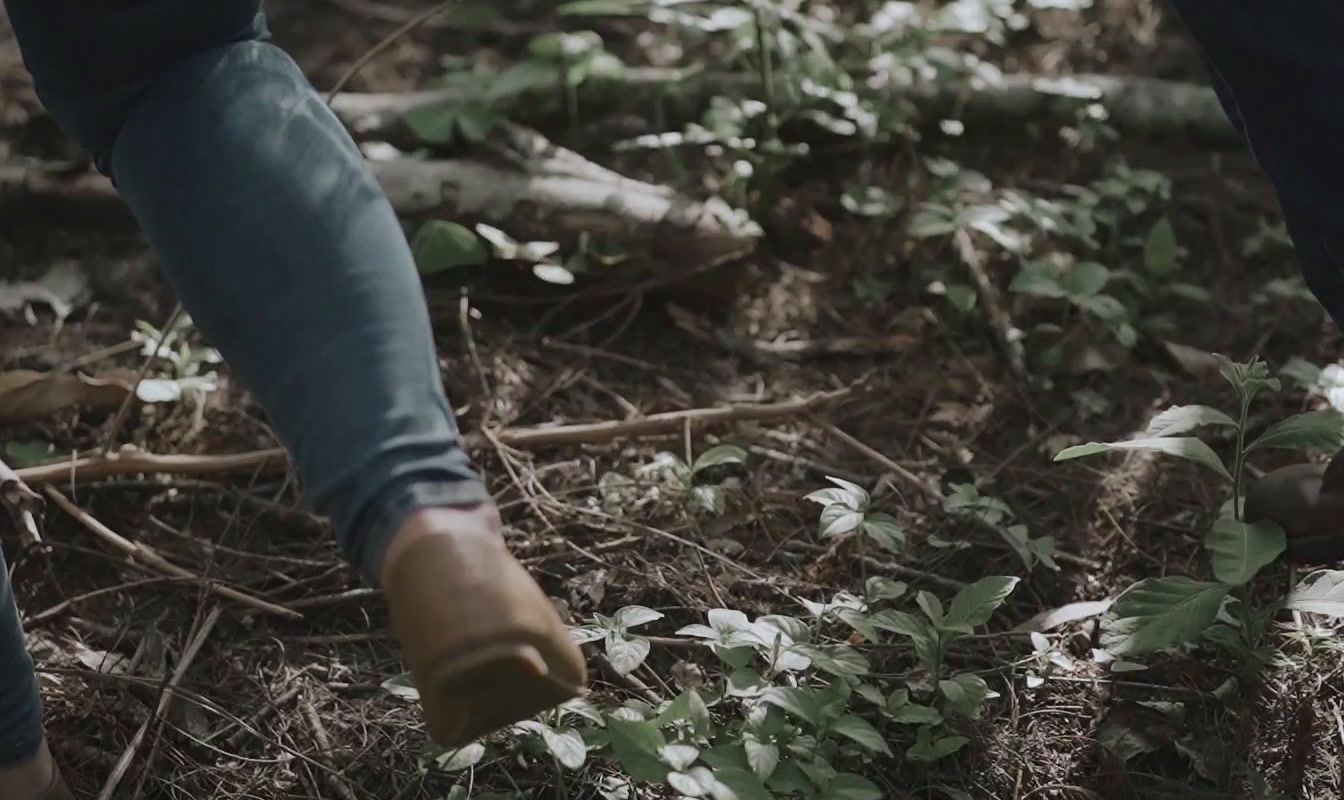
(35, 779)
(483, 642)
(1307, 501)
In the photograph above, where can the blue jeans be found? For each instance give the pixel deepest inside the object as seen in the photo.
(279, 243)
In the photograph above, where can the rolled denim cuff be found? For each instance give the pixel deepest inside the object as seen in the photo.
(392, 506)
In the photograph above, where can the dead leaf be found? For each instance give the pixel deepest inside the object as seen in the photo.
(27, 395)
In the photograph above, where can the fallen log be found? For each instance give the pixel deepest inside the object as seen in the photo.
(1136, 104)
(530, 187)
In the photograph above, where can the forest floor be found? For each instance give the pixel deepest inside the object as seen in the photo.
(939, 402)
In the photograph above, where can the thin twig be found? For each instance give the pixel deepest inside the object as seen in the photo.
(120, 419)
(1000, 322)
(372, 53)
(338, 782)
(150, 557)
(261, 715)
(136, 462)
(165, 700)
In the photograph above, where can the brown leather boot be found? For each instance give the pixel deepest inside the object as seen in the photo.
(484, 644)
(1307, 501)
(36, 779)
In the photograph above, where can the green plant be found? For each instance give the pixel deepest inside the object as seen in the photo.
(847, 507)
(186, 368)
(1162, 613)
(966, 500)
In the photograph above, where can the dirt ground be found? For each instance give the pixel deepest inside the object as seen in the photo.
(944, 408)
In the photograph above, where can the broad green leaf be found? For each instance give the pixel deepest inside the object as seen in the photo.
(402, 686)
(1160, 253)
(927, 749)
(976, 603)
(847, 786)
(1039, 279)
(900, 622)
(1239, 549)
(860, 495)
(1314, 431)
(837, 520)
(761, 757)
(461, 758)
(679, 756)
(1183, 419)
(716, 456)
(965, 693)
(1188, 448)
(636, 746)
(859, 622)
(802, 703)
(833, 496)
(440, 245)
(859, 730)
(880, 588)
(626, 654)
(634, 616)
(916, 714)
(885, 530)
(1319, 593)
(1161, 613)
(532, 73)
(1085, 279)
(26, 454)
(567, 746)
(432, 124)
(584, 634)
(743, 784)
(839, 660)
(962, 297)
(931, 606)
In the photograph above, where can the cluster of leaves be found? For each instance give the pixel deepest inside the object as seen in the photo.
(1163, 613)
(186, 368)
(785, 711)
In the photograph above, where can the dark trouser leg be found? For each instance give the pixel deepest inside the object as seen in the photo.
(275, 236)
(1279, 70)
(20, 708)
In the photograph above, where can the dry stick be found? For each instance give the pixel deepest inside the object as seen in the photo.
(337, 781)
(1000, 322)
(931, 492)
(260, 716)
(137, 462)
(23, 504)
(120, 418)
(150, 557)
(165, 700)
(387, 42)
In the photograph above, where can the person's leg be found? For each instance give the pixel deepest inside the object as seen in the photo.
(1279, 72)
(1278, 69)
(288, 256)
(26, 769)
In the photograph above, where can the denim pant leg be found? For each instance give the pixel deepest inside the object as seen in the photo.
(1279, 71)
(276, 237)
(20, 707)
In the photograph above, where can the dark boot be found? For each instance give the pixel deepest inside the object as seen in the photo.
(483, 642)
(35, 779)
(1307, 501)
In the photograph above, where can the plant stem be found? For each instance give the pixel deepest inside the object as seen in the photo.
(1239, 462)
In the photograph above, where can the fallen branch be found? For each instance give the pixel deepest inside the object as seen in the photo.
(137, 462)
(1139, 104)
(165, 700)
(1008, 335)
(24, 505)
(528, 185)
(149, 557)
(667, 422)
(334, 777)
